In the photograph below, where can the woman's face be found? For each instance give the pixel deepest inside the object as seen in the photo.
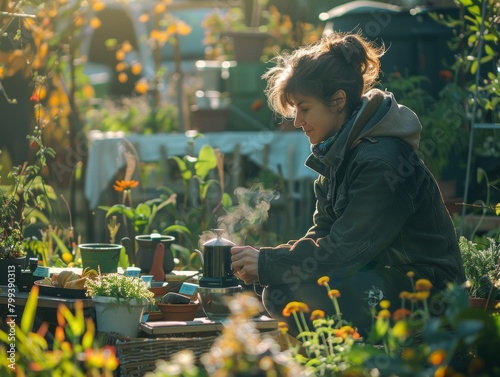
(317, 120)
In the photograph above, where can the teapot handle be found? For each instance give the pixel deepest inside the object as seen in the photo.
(200, 254)
(129, 248)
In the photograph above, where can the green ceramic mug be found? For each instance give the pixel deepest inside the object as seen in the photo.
(100, 256)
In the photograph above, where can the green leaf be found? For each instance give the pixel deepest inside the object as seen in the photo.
(176, 228)
(185, 172)
(473, 67)
(489, 50)
(143, 210)
(207, 160)
(29, 312)
(497, 209)
(226, 200)
(486, 59)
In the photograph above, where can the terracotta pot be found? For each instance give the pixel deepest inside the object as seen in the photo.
(493, 306)
(179, 312)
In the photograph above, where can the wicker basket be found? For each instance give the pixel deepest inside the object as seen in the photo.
(139, 355)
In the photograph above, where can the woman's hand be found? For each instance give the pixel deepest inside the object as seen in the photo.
(245, 263)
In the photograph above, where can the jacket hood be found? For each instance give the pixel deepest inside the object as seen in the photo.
(378, 115)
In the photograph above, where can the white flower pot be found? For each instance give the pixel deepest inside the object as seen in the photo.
(122, 317)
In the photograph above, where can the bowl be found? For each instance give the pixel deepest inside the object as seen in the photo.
(179, 312)
(214, 301)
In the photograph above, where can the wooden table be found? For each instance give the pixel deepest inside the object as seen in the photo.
(46, 308)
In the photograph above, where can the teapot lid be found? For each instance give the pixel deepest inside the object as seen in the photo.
(218, 240)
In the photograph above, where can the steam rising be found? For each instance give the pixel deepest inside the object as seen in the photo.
(248, 216)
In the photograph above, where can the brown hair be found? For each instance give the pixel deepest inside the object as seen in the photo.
(339, 61)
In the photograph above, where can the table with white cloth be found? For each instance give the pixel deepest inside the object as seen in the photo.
(286, 153)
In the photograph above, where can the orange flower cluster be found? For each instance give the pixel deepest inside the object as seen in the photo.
(345, 331)
(123, 185)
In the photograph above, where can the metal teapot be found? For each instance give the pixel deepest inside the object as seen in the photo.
(216, 259)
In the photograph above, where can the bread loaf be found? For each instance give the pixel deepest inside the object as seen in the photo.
(76, 284)
(65, 277)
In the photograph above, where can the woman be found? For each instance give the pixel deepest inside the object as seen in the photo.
(379, 213)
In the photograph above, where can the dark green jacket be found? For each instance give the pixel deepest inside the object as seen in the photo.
(378, 207)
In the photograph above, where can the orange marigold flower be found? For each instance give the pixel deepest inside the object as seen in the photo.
(317, 314)
(323, 280)
(127, 47)
(334, 293)
(437, 357)
(400, 314)
(404, 295)
(136, 69)
(159, 8)
(423, 285)
(120, 67)
(98, 6)
(348, 329)
(125, 185)
(95, 23)
(122, 77)
(422, 295)
(144, 18)
(141, 86)
(294, 307)
(120, 55)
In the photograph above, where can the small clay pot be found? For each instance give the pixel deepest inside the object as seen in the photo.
(179, 312)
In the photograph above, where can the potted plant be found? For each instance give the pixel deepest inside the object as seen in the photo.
(119, 296)
(21, 200)
(482, 270)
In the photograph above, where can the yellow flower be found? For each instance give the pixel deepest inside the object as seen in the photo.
(410, 274)
(283, 327)
(125, 185)
(317, 314)
(144, 18)
(423, 285)
(323, 280)
(67, 257)
(334, 293)
(384, 304)
(384, 314)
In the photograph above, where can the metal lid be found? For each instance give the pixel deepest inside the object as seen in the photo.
(218, 241)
